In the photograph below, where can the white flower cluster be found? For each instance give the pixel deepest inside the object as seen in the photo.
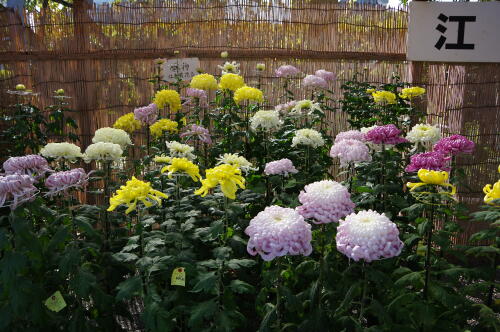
(230, 68)
(236, 160)
(103, 151)
(424, 133)
(305, 106)
(63, 150)
(266, 120)
(179, 150)
(308, 137)
(112, 135)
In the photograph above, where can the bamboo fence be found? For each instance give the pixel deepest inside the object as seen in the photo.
(103, 57)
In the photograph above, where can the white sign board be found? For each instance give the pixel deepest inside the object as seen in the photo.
(184, 69)
(454, 32)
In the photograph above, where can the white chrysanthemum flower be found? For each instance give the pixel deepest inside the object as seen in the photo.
(112, 135)
(230, 68)
(103, 151)
(424, 133)
(305, 106)
(309, 137)
(236, 160)
(179, 150)
(266, 120)
(369, 236)
(63, 150)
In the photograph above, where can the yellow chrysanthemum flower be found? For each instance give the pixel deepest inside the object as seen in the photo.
(162, 125)
(227, 176)
(183, 165)
(128, 123)
(134, 191)
(384, 97)
(491, 193)
(203, 82)
(162, 159)
(168, 97)
(248, 93)
(410, 93)
(370, 90)
(434, 178)
(231, 82)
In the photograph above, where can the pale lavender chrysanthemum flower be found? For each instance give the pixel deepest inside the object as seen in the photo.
(287, 71)
(278, 231)
(61, 182)
(454, 144)
(198, 132)
(388, 134)
(286, 107)
(350, 151)
(369, 236)
(435, 161)
(32, 165)
(280, 167)
(201, 95)
(147, 114)
(325, 202)
(326, 75)
(314, 82)
(15, 189)
(350, 134)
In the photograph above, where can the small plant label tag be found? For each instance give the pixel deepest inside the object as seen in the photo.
(55, 302)
(178, 277)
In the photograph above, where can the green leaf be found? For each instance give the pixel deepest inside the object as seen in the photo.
(200, 311)
(129, 288)
(83, 282)
(411, 279)
(207, 282)
(237, 263)
(241, 287)
(125, 257)
(268, 318)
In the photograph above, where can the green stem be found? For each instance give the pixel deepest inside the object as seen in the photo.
(363, 298)
(278, 295)
(489, 301)
(107, 180)
(429, 251)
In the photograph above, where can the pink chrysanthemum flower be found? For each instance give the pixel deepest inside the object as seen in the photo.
(433, 160)
(287, 71)
(350, 151)
(388, 134)
(147, 114)
(325, 202)
(286, 107)
(314, 82)
(350, 134)
(201, 95)
(15, 189)
(454, 144)
(280, 167)
(369, 236)
(198, 132)
(277, 232)
(61, 182)
(326, 75)
(32, 165)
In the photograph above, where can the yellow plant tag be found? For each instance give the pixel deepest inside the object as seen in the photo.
(178, 277)
(55, 302)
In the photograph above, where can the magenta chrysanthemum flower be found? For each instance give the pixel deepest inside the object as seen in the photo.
(147, 114)
(32, 165)
(369, 236)
(326, 75)
(201, 95)
(325, 202)
(350, 151)
(198, 132)
(61, 182)
(454, 144)
(280, 167)
(433, 160)
(277, 232)
(314, 81)
(16, 189)
(350, 134)
(388, 134)
(287, 71)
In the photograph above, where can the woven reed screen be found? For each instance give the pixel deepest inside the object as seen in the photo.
(103, 58)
